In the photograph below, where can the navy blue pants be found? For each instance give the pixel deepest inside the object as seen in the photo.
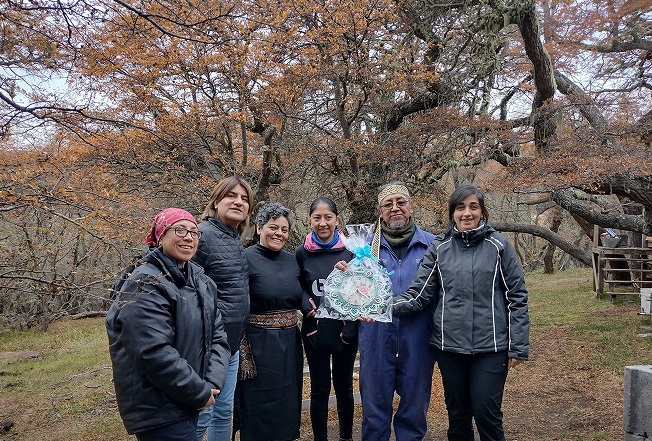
(181, 431)
(395, 361)
(473, 389)
(319, 363)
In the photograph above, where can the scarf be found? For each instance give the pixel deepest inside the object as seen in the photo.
(394, 237)
(163, 221)
(326, 245)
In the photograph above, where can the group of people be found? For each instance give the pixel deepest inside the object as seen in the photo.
(206, 336)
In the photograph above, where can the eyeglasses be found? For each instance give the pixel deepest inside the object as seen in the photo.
(183, 232)
(389, 205)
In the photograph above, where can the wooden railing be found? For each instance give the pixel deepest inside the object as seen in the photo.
(621, 271)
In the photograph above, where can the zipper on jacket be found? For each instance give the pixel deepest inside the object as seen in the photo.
(465, 238)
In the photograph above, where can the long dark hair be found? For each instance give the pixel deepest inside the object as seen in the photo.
(458, 196)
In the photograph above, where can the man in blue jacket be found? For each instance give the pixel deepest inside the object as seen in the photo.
(397, 357)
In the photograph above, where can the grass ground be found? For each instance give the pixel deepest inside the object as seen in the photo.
(570, 390)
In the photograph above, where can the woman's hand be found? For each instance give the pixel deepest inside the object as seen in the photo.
(366, 319)
(513, 362)
(211, 399)
(342, 265)
(313, 311)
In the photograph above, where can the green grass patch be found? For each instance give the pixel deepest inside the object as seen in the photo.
(70, 380)
(608, 330)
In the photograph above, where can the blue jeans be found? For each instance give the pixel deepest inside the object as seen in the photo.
(217, 418)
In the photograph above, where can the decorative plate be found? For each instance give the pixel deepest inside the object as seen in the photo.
(360, 291)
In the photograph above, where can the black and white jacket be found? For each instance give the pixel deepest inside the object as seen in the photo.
(475, 280)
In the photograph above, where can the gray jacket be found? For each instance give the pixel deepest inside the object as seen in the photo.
(221, 254)
(475, 280)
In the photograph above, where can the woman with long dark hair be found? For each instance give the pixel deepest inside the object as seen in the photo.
(221, 254)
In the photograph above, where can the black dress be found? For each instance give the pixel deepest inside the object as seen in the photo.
(268, 406)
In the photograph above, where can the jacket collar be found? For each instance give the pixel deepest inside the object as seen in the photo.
(169, 266)
(310, 245)
(471, 237)
(419, 236)
(217, 222)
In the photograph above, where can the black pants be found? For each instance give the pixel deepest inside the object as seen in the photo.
(473, 388)
(319, 363)
(181, 431)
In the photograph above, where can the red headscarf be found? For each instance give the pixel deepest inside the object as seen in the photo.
(163, 220)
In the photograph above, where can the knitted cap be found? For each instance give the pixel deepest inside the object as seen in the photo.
(391, 189)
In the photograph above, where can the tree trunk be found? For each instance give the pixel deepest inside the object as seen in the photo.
(545, 126)
(549, 253)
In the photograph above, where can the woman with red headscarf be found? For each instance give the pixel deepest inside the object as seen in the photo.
(166, 338)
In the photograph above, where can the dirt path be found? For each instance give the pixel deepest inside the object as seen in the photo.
(557, 396)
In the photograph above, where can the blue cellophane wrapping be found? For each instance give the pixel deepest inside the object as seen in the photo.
(364, 290)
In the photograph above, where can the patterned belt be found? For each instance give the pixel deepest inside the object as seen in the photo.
(275, 319)
(269, 320)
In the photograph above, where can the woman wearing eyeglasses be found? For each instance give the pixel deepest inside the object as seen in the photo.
(268, 394)
(166, 338)
(221, 254)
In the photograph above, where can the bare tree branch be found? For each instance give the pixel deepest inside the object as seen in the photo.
(583, 102)
(568, 200)
(545, 233)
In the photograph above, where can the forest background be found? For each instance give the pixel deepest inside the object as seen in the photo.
(111, 110)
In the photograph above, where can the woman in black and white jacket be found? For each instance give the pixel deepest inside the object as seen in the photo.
(481, 321)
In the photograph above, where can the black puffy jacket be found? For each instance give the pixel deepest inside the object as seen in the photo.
(475, 280)
(221, 254)
(167, 343)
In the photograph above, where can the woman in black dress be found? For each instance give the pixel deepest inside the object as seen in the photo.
(268, 394)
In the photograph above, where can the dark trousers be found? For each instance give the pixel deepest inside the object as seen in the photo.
(319, 363)
(181, 431)
(473, 388)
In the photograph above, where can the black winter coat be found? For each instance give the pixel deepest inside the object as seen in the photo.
(167, 343)
(221, 254)
(316, 264)
(476, 282)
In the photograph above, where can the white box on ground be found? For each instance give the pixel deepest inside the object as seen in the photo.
(646, 300)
